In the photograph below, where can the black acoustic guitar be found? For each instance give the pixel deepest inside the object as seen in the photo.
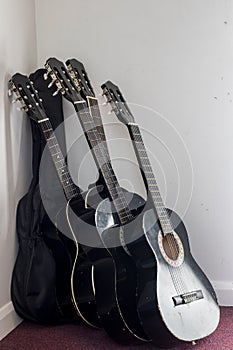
(75, 273)
(115, 273)
(175, 299)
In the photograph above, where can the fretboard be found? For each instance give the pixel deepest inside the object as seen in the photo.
(100, 152)
(69, 188)
(95, 113)
(145, 165)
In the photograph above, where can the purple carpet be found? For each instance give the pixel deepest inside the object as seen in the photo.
(29, 336)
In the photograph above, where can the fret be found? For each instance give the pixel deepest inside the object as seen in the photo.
(84, 112)
(47, 130)
(62, 173)
(52, 146)
(68, 185)
(70, 189)
(151, 181)
(123, 214)
(54, 154)
(66, 181)
(60, 160)
(95, 135)
(118, 199)
(50, 138)
(64, 166)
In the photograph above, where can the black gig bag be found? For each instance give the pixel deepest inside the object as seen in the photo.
(43, 258)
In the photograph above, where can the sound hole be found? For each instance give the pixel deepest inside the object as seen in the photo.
(170, 246)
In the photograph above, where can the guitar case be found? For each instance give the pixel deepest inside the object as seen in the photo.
(43, 258)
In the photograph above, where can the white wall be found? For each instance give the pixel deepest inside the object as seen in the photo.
(18, 53)
(175, 57)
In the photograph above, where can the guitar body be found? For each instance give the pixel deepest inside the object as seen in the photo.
(75, 218)
(162, 288)
(116, 291)
(63, 251)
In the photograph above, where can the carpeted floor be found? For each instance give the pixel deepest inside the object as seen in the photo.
(79, 337)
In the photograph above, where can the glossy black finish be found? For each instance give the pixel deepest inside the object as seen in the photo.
(160, 280)
(105, 261)
(155, 287)
(119, 310)
(80, 274)
(114, 274)
(74, 269)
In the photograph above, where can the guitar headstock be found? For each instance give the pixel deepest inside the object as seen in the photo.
(21, 86)
(117, 102)
(59, 75)
(79, 76)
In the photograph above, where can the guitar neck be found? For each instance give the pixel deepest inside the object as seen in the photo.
(146, 167)
(69, 188)
(95, 113)
(98, 146)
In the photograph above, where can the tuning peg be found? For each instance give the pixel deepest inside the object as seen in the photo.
(52, 82)
(22, 108)
(57, 91)
(40, 99)
(10, 92)
(46, 76)
(110, 112)
(17, 99)
(105, 104)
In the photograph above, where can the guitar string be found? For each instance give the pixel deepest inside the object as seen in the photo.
(176, 280)
(168, 239)
(97, 116)
(174, 277)
(74, 191)
(175, 273)
(66, 176)
(98, 145)
(103, 142)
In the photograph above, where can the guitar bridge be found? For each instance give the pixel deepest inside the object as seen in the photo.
(187, 298)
